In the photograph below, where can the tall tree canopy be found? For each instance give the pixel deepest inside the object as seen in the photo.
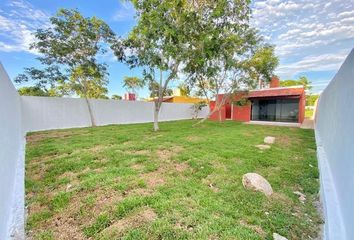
(262, 65)
(132, 84)
(223, 48)
(69, 51)
(36, 91)
(207, 40)
(157, 44)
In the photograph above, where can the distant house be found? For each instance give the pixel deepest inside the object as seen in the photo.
(129, 97)
(273, 104)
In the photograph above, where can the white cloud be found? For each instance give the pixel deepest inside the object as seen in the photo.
(324, 62)
(310, 35)
(18, 21)
(125, 12)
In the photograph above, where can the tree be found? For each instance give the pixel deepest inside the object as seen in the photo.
(133, 83)
(116, 97)
(36, 91)
(301, 81)
(68, 51)
(184, 89)
(157, 44)
(311, 99)
(221, 45)
(262, 65)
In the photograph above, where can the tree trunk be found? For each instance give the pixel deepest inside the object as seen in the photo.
(93, 124)
(156, 118)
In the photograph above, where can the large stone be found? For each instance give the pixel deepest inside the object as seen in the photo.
(256, 182)
(269, 140)
(276, 236)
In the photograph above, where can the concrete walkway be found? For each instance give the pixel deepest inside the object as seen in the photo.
(282, 124)
(308, 124)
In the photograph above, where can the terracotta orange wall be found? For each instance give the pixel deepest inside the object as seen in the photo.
(302, 104)
(215, 115)
(241, 113)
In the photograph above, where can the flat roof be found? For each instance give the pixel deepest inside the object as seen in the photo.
(277, 92)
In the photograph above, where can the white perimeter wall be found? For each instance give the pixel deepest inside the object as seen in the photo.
(43, 113)
(11, 161)
(335, 149)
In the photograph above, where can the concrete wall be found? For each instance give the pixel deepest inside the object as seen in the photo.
(335, 148)
(11, 161)
(43, 113)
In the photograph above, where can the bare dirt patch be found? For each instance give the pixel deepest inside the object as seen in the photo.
(193, 138)
(137, 167)
(154, 179)
(142, 152)
(284, 140)
(138, 219)
(255, 228)
(181, 167)
(140, 192)
(167, 154)
(38, 137)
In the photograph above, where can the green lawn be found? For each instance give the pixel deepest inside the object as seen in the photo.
(184, 182)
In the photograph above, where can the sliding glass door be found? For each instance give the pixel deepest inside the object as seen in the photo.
(278, 110)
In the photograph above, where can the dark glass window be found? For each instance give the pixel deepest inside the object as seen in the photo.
(278, 110)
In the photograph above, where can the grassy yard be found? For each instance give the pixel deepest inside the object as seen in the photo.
(125, 181)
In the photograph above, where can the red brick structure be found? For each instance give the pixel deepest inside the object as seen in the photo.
(129, 96)
(277, 104)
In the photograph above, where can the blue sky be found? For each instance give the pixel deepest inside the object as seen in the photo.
(312, 37)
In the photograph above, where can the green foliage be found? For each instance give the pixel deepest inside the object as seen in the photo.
(116, 97)
(37, 91)
(261, 66)
(154, 89)
(184, 89)
(311, 99)
(301, 81)
(69, 50)
(133, 83)
(242, 102)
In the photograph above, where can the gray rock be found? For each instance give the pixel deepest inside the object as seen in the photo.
(256, 182)
(263, 146)
(269, 140)
(276, 236)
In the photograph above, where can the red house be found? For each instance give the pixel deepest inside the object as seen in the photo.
(273, 104)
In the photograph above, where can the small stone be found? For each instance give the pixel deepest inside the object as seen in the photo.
(68, 187)
(276, 236)
(266, 213)
(256, 182)
(263, 147)
(269, 140)
(302, 197)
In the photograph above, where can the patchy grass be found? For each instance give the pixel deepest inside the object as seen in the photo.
(125, 181)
